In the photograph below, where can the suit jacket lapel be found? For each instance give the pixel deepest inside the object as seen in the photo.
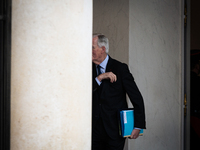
(109, 64)
(105, 83)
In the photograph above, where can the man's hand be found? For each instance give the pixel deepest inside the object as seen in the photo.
(135, 134)
(108, 75)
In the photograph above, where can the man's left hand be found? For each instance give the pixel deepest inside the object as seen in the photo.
(135, 134)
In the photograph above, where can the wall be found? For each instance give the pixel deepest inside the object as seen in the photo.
(155, 60)
(111, 18)
(50, 109)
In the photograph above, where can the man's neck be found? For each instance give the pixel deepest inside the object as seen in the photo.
(99, 62)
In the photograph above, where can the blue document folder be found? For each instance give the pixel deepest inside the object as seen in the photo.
(127, 123)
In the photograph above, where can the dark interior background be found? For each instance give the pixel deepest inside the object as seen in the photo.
(195, 24)
(5, 51)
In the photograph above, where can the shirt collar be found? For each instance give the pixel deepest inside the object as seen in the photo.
(104, 63)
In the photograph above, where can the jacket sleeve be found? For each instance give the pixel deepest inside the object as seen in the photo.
(135, 97)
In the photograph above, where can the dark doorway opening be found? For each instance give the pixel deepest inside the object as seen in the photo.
(194, 75)
(5, 65)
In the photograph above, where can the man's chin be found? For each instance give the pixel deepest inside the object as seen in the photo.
(95, 62)
(93, 59)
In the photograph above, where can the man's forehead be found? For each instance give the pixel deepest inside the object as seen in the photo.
(94, 40)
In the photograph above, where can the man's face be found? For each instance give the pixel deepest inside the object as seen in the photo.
(97, 52)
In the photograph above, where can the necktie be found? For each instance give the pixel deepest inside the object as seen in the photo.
(99, 69)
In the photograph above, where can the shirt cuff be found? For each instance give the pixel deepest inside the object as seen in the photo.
(138, 128)
(98, 82)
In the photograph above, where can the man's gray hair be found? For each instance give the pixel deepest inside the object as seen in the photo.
(102, 41)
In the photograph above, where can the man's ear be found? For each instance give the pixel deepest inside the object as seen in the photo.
(103, 48)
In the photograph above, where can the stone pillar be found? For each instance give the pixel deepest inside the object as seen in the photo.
(51, 75)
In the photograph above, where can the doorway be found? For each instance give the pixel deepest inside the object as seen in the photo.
(194, 74)
(5, 55)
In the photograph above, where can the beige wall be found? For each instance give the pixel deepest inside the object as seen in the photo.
(112, 19)
(155, 60)
(50, 91)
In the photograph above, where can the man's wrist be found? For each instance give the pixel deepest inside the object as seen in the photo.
(98, 82)
(137, 128)
(99, 78)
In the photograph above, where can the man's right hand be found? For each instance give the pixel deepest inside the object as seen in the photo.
(108, 75)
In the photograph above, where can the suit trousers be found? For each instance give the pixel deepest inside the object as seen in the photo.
(101, 140)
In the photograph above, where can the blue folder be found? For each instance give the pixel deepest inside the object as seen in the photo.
(127, 123)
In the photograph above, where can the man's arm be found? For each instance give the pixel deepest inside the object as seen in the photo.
(135, 98)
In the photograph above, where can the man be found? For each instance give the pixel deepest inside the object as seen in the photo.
(111, 81)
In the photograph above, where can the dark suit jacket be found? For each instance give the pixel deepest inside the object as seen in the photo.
(109, 98)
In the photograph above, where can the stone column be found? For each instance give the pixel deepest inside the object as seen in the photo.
(51, 74)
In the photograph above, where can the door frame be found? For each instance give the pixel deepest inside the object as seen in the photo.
(186, 101)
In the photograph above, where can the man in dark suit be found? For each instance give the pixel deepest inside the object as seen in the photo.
(112, 80)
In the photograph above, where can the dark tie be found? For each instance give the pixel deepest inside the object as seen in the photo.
(99, 69)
